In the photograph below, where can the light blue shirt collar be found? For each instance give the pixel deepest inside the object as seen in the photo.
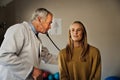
(33, 28)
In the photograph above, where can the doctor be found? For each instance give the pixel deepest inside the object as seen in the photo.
(20, 49)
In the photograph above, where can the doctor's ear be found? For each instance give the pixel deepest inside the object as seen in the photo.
(39, 19)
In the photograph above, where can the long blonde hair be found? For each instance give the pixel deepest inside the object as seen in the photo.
(70, 44)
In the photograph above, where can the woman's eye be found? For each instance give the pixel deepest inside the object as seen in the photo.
(79, 30)
(76, 30)
(72, 30)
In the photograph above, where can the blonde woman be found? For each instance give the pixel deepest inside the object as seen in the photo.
(79, 60)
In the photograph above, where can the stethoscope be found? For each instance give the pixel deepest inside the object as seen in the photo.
(52, 41)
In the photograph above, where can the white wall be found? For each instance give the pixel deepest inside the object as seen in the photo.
(101, 18)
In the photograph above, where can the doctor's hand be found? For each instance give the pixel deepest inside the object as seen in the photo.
(36, 73)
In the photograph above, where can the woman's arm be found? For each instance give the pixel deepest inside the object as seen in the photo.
(62, 67)
(96, 67)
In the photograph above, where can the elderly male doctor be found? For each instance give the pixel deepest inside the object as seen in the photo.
(20, 50)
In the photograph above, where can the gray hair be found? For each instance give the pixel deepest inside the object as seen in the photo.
(42, 12)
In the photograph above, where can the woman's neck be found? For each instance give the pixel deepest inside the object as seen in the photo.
(77, 44)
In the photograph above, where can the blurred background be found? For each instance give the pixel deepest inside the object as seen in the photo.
(100, 17)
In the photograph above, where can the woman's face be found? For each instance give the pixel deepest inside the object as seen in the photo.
(76, 32)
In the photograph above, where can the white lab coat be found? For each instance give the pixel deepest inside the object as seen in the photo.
(19, 53)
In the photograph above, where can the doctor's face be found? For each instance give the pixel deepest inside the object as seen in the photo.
(46, 24)
(76, 32)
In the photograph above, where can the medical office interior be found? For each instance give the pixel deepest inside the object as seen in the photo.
(100, 17)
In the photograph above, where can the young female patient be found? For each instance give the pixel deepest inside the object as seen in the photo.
(79, 60)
